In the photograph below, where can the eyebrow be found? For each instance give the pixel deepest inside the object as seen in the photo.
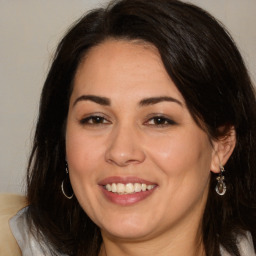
(144, 102)
(155, 100)
(97, 99)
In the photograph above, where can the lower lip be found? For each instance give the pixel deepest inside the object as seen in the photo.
(126, 199)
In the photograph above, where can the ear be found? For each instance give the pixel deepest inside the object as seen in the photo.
(222, 149)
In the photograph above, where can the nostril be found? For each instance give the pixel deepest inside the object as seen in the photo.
(123, 162)
(122, 158)
(124, 146)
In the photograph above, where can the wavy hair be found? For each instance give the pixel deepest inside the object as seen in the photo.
(207, 68)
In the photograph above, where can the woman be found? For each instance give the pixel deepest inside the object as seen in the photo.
(144, 105)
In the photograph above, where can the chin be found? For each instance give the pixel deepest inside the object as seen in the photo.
(127, 234)
(128, 229)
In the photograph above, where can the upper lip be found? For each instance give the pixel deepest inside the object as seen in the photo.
(124, 180)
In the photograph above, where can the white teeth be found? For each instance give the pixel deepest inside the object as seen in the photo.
(128, 188)
(137, 187)
(150, 187)
(143, 187)
(108, 187)
(120, 188)
(113, 187)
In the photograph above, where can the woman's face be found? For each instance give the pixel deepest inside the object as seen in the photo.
(139, 165)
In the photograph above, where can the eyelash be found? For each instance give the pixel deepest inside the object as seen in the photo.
(96, 120)
(160, 121)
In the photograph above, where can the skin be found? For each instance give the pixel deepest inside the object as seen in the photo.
(128, 141)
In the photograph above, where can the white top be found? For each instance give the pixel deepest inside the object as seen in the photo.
(245, 246)
(28, 244)
(31, 247)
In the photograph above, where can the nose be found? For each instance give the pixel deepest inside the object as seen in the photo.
(124, 147)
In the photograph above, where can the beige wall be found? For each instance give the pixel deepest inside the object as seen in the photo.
(29, 31)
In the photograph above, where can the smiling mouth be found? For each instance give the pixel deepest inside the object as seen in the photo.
(129, 188)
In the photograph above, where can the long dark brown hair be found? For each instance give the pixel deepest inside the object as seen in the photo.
(203, 61)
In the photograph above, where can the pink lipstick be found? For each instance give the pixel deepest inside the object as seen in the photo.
(126, 190)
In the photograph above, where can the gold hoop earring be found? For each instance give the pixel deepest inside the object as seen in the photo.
(221, 186)
(68, 185)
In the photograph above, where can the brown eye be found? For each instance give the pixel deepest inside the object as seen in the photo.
(160, 121)
(94, 120)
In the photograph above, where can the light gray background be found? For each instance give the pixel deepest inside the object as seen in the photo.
(29, 32)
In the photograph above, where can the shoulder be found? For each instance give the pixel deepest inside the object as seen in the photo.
(28, 243)
(9, 205)
(245, 246)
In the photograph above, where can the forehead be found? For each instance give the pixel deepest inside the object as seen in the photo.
(136, 55)
(121, 66)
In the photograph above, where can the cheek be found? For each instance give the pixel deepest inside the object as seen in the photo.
(83, 156)
(81, 150)
(185, 154)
